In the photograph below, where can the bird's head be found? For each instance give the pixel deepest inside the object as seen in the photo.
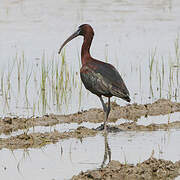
(83, 30)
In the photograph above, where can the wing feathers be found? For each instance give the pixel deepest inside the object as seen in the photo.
(103, 79)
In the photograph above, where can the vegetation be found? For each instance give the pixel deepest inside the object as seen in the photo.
(49, 84)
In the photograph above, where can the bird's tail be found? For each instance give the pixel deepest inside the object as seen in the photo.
(123, 95)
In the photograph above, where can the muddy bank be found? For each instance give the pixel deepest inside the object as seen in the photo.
(150, 169)
(36, 140)
(130, 112)
(152, 127)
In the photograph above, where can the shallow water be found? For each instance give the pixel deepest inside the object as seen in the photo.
(161, 119)
(126, 34)
(69, 157)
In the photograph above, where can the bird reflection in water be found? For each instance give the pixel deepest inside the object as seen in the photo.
(107, 151)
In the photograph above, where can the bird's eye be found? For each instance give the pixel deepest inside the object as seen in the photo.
(80, 26)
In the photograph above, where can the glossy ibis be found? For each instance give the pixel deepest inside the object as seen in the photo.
(98, 77)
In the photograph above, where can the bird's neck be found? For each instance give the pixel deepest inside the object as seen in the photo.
(85, 54)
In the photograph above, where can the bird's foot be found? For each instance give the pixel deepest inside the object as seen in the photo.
(108, 128)
(101, 127)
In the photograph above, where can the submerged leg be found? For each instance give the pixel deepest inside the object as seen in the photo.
(106, 110)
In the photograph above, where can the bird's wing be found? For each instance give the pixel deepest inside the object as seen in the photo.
(105, 79)
(94, 82)
(111, 76)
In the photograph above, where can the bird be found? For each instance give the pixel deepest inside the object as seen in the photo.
(100, 78)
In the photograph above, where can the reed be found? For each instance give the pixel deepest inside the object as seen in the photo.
(48, 84)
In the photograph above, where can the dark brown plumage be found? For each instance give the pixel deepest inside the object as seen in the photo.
(98, 77)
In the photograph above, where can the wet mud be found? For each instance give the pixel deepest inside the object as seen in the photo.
(130, 112)
(37, 140)
(150, 169)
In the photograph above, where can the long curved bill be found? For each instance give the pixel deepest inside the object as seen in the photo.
(69, 39)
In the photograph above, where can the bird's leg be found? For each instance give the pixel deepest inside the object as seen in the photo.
(106, 110)
(103, 104)
(109, 107)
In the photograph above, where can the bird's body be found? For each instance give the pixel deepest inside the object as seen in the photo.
(103, 79)
(100, 78)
